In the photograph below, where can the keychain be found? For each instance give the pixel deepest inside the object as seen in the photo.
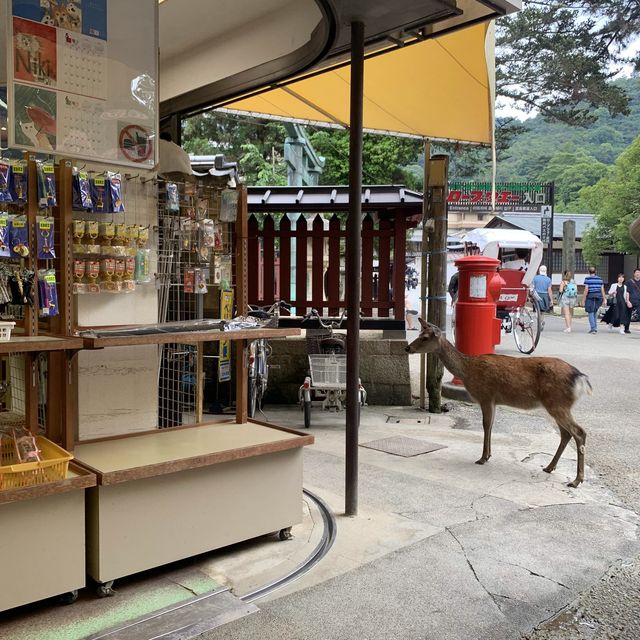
(45, 229)
(19, 237)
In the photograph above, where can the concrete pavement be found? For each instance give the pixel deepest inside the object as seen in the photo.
(441, 547)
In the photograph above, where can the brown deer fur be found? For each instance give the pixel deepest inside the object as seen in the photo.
(524, 383)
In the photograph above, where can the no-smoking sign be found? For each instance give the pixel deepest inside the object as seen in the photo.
(135, 143)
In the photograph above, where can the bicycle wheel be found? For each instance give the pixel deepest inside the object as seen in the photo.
(306, 408)
(527, 325)
(252, 397)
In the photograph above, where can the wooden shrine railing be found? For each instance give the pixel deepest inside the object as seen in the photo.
(317, 264)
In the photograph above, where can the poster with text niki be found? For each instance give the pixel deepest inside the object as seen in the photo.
(34, 52)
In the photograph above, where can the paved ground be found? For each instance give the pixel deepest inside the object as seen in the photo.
(443, 548)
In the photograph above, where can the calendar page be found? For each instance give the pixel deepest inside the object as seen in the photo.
(82, 78)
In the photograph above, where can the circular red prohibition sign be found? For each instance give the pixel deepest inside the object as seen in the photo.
(135, 143)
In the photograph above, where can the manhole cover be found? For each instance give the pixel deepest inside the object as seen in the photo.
(398, 420)
(403, 446)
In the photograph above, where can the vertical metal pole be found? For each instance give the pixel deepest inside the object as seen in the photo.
(423, 269)
(552, 190)
(354, 270)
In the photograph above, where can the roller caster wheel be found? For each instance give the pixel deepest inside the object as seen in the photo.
(105, 590)
(285, 534)
(69, 598)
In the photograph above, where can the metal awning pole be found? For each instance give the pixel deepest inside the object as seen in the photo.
(423, 269)
(354, 270)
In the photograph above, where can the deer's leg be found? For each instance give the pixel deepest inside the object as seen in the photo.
(488, 413)
(567, 423)
(565, 436)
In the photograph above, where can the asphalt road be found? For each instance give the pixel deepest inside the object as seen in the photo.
(611, 417)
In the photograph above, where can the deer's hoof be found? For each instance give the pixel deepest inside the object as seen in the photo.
(548, 469)
(482, 460)
(575, 483)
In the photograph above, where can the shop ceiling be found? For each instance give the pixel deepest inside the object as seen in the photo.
(213, 52)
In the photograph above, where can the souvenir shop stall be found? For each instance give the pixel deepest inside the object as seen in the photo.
(114, 285)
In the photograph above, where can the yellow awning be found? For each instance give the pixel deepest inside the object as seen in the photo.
(441, 88)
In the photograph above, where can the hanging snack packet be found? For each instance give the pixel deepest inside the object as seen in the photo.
(229, 205)
(173, 198)
(99, 194)
(5, 176)
(5, 250)
(19, 182)
(46, 184)
(142, 269)
(19, 237)
(115, 192)
(44, 230)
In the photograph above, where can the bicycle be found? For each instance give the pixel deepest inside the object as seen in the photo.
(327, 379)
(259, 352)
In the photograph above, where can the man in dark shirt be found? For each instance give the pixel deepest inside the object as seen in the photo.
(593, 298)
(633, 287)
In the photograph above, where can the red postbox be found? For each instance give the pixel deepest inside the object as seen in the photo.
(479, 285)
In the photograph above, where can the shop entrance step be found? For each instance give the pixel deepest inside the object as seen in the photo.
(183, 621)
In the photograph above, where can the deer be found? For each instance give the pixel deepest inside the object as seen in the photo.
(524, 383)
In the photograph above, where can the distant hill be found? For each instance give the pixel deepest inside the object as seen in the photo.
(603, 140)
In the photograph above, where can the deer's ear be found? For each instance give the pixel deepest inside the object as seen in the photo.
(423, 324)
(437, 332)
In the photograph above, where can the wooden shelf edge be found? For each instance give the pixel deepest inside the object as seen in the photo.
(22, 344)
(187, 337)
(84, 480)
(195, 462)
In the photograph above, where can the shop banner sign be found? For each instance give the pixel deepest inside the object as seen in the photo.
(82, 79)
(511, 197)
(226, 313)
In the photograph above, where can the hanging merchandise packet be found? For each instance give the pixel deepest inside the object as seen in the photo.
(115, 192)
(5, 247)
(44, 230)
(19, 237)
(48, 293)
(5, 177)
(100, 194)
(19, 182)
(46, 184)
(81, 191)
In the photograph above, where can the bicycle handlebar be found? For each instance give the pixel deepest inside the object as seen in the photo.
(328, 323)
(270, 310)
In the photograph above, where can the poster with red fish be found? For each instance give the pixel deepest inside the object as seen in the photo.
(34, 52)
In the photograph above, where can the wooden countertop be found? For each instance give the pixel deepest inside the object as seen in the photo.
(19, 344)
(77, 478)
(171, 450)
(187, 337)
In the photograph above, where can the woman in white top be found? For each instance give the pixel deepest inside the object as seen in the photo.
(619, 305)
(568, 296)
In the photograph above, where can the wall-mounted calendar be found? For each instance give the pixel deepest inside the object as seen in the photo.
(82, 78)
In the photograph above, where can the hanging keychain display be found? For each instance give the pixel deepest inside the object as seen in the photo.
(46, 184)
(5, 177)
(173, 198)
(82, 200)
(115, 192)
(48, 293)
(99, 194)
(5, 248)
(79, 267)
(44, 232)
(19, 236)
(19, 182)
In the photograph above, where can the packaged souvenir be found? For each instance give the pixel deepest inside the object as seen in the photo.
(19, 182)
(229, 205)
(45, 230)
(81, 191)
(99, 194)
(21, 286)
(5, 178)
(142, 268)
(107, 233)
(26, 447)
(19, 237)
(5, 248)
(46, 184)
(128, 283)
(107, 270)
(189, 281)
(173, 198)
(114, 181)
(48, 293)
(92, 271)
(200, 281)
(79, 268)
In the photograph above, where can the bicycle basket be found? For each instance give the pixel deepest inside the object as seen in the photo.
(328, 371)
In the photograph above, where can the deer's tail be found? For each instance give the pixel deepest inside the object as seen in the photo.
(581, 385)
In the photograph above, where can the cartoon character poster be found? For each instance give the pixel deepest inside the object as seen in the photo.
(35, 117)
(34, 52)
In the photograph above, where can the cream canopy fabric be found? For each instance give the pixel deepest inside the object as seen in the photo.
(441, 88)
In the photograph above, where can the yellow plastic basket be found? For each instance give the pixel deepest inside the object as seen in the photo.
(52, 467)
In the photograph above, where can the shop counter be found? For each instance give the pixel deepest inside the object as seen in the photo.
(42, 539)
(173, 493)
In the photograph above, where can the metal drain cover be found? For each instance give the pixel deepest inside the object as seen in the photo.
(398, 420)
(403, 446)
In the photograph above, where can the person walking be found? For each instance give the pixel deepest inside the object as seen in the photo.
(633, 287)
(567, 298)
(618, 313)
(542, 286)
(593, 298)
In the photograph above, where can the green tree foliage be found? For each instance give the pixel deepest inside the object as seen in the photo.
(615, 202)
(558, 57)
(383, 157)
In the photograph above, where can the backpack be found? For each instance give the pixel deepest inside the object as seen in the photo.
(571, 290)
